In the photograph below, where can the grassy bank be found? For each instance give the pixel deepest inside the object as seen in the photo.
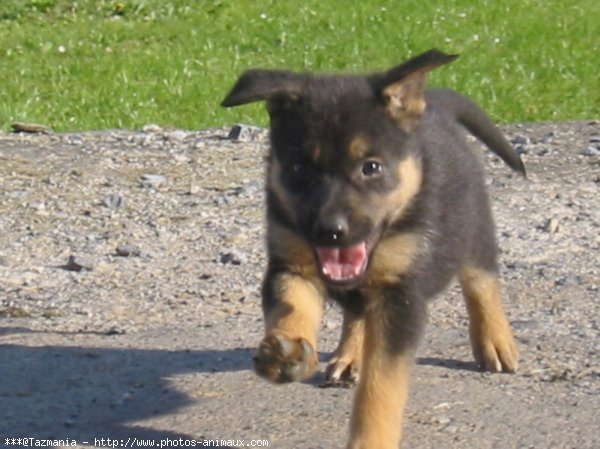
(103, 64)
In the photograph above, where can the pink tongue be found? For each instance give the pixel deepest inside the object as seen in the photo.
(342, 264)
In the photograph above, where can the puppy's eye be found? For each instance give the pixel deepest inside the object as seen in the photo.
(372, 168)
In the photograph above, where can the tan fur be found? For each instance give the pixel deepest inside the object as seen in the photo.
(298, 313)
(395, 204)
(347, 358)
(358, 148)
(290, 247)
(394, 257)
(492, 340)
(316, 153)
(405, 100)
(376, 421)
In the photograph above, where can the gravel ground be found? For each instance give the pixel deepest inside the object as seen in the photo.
(130, 265)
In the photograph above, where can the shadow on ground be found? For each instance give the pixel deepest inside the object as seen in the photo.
(452, 364)
(80, 393)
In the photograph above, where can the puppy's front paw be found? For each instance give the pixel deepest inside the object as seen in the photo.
(281, 359)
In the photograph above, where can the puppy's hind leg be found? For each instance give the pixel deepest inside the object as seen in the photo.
(494, 346)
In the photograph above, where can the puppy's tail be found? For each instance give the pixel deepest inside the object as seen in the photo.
(478, 123)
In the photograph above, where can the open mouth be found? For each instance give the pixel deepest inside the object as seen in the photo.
(343, 265)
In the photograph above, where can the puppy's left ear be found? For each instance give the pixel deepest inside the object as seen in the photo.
(402, 89)
(260, 85)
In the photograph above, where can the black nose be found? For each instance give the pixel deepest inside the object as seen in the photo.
(331, 230)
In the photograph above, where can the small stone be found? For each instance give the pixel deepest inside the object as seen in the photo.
(195, 188)
(520, 149)
(443, 420)
(73, 139)
(114, 201)
(330, 325)
(544, 152)
(32, 128)
(521, 140)
(525, 324)
(176, 136)
(591, 151)
(568, 281)
(152, 128)
(552, 226)
(231, 258)
(52, 313)
(252, 188)
(152, 180)
(78, 263)
(17, 194)
(128, 249)
(38, 206)
(14, 312)
(243, 133)
(238, 132)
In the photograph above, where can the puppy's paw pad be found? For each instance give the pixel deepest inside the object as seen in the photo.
(281, 359)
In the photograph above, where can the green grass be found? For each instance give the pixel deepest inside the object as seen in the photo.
(78, 65)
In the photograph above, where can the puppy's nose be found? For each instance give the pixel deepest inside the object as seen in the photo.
(332, 230)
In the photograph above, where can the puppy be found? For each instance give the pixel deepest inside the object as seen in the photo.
(374, 200)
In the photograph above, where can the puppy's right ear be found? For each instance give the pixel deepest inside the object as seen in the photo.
(260, 85)
(402, 89)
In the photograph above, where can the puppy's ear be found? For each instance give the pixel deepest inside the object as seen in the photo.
(401, 89)
(259, 85)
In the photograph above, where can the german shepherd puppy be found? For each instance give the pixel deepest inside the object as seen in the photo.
(374, 200)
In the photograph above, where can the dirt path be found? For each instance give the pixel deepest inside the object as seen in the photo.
(130, 265)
